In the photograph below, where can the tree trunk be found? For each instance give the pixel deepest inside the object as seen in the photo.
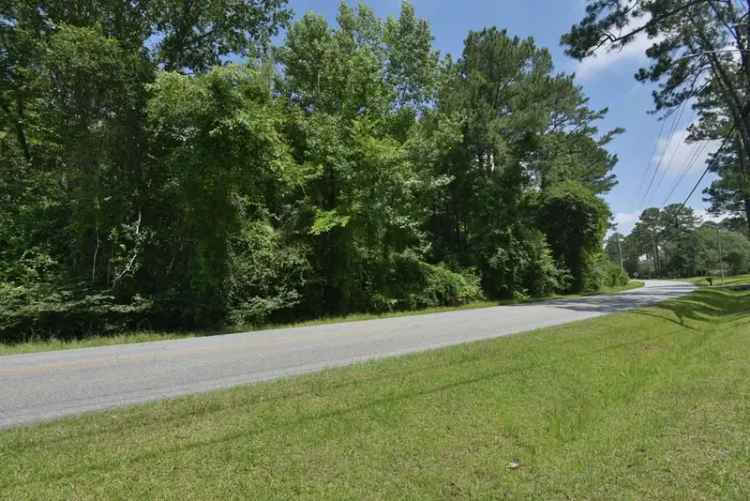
(18, 126)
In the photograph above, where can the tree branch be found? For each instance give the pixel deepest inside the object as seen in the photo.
(612, 39)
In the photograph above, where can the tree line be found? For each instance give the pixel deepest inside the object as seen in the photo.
(675, 242)
(163, 164)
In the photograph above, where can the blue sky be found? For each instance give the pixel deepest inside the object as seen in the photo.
(607, 80)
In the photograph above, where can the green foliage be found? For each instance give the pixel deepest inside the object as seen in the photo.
(673, 243)
(522, 265)
(266, 275)
(222, 159)
(27, 315)
(412, 66)
(513, 124)
(714, 249)
(414, 284)
(607, 274)
(198, 35)
(145, 183)
(575, 221)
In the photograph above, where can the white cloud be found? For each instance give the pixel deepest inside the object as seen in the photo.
(630, 56)
(625, 221)
(706, 217)
(679, 155)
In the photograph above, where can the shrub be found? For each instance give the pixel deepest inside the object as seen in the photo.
(25, 315)
(415, 284)
(606, 274)
(522, 265)
(266, 276)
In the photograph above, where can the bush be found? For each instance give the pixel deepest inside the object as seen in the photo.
(606, 274)
(443, 287)
(415, 284)
(25, 315)
(522, 265)
(266, 276)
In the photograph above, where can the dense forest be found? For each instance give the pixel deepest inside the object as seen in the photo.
(180, 164)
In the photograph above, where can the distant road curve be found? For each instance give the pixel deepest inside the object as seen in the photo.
(37, 387)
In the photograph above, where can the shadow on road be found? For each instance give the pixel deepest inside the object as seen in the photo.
(621, 302)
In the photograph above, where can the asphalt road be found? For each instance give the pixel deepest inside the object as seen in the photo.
(37, 387)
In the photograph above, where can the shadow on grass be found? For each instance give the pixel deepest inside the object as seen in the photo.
(715, 305)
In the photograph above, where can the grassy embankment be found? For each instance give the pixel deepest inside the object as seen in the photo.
(40, 345)
(649, 404)
(717, 281)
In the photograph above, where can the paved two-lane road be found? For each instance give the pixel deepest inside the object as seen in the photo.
(42, 386)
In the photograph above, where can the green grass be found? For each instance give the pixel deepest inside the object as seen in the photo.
(728, 281)
(650, 404)
(40, 345)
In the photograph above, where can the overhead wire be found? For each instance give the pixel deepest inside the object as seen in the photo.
(667, 153)
(711, 163)
(642, 184)
(659, 162)
(690, 165)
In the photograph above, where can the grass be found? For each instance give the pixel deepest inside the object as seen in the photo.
(40, 345)
(649, 404)
(728, 281)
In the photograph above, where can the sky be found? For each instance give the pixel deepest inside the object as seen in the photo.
(607, 80)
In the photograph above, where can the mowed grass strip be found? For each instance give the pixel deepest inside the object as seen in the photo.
(652, 404)
(717, 281)
(40, 345)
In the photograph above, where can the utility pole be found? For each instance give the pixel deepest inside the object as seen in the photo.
(619, 250)
(656, 254)
(721, 254)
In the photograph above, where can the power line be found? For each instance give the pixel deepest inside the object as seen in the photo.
(669, 154)
(714, 159)
(678, 116)
(642, 184)
(661, 157)
(697, 152)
